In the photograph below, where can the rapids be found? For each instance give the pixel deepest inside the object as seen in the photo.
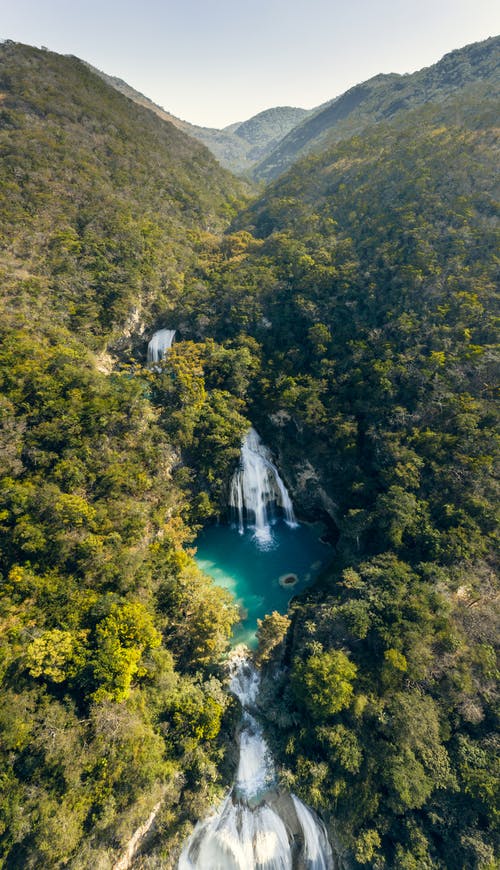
(256, 827)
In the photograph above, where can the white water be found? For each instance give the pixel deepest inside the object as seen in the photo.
(159, 344)
(317, 849)
(247, 832)
(256, 486)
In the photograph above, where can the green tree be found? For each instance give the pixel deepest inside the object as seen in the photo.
(324, 682)
(123, 637)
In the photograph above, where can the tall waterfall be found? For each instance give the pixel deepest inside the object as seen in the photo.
(256, 486)
(256, 828)
(159, 344)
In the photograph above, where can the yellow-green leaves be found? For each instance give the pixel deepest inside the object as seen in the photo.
(324, 682)
(270, 633)
(122, 638)
(56, 655)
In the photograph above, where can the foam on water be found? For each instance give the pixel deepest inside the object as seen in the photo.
(247, 832)
(256, 487)
(160, 343)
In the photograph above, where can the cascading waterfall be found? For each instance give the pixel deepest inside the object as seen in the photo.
(317, 850)
(256, 828)
(159, 344)
(256, 486)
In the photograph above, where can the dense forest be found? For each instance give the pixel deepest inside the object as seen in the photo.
(348, 311)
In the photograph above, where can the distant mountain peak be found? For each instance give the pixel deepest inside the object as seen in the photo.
(265, 145)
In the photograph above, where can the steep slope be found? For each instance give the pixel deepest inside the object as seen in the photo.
(236, 147)
(370, 283)
(384, 97)
(265, 130)
(110, 638)
(239, 146)
(104, 204)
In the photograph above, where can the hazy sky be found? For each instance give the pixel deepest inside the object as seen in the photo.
(214, 62)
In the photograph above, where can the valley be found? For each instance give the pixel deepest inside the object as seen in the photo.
(254, 408)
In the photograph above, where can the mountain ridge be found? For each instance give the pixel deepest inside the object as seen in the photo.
(87, 153)
(239, 145)
(265, 145)
(383, 96)
(347, 312)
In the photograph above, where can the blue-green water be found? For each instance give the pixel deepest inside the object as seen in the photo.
(252, 573)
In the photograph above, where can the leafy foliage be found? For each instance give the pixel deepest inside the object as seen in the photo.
(348, 314)
(377, 333)
(100, 666)
(472, 70)
(103, 204)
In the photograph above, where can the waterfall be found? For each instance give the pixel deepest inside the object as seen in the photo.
(255, 828)
(159, 344)
(256, 486)
(317, 849)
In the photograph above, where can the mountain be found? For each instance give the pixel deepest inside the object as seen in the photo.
(110, 637)
(381, 98)
(348, 312)
(265, 130)
(106, 202)
(267, 144)
(236, 147)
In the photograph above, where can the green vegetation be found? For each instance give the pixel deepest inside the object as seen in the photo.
(368, 277)
(471, 71)
(237, 147)
(104, 207)
(111, 639)
(348, 313)
(379, 377)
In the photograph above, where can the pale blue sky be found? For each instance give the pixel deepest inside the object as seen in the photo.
(213, 62)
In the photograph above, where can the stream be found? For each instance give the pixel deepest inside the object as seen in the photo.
(264, 558)
(257, 827)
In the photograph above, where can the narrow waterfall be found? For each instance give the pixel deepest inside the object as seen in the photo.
(256, 827)
(256, 486)
(159, 344)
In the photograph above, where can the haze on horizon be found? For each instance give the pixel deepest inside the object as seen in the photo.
(217, 63)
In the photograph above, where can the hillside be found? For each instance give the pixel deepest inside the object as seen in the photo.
(236, 147)
(267, 144)
(368, 277)
(265, 130)
(385, 97)
(104, 204)
(110, 637)
(239, 146)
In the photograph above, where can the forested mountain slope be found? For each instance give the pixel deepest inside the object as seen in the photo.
(237, 147)
(382, 98)
(368, 275)
(110, 638)
(103, 203)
